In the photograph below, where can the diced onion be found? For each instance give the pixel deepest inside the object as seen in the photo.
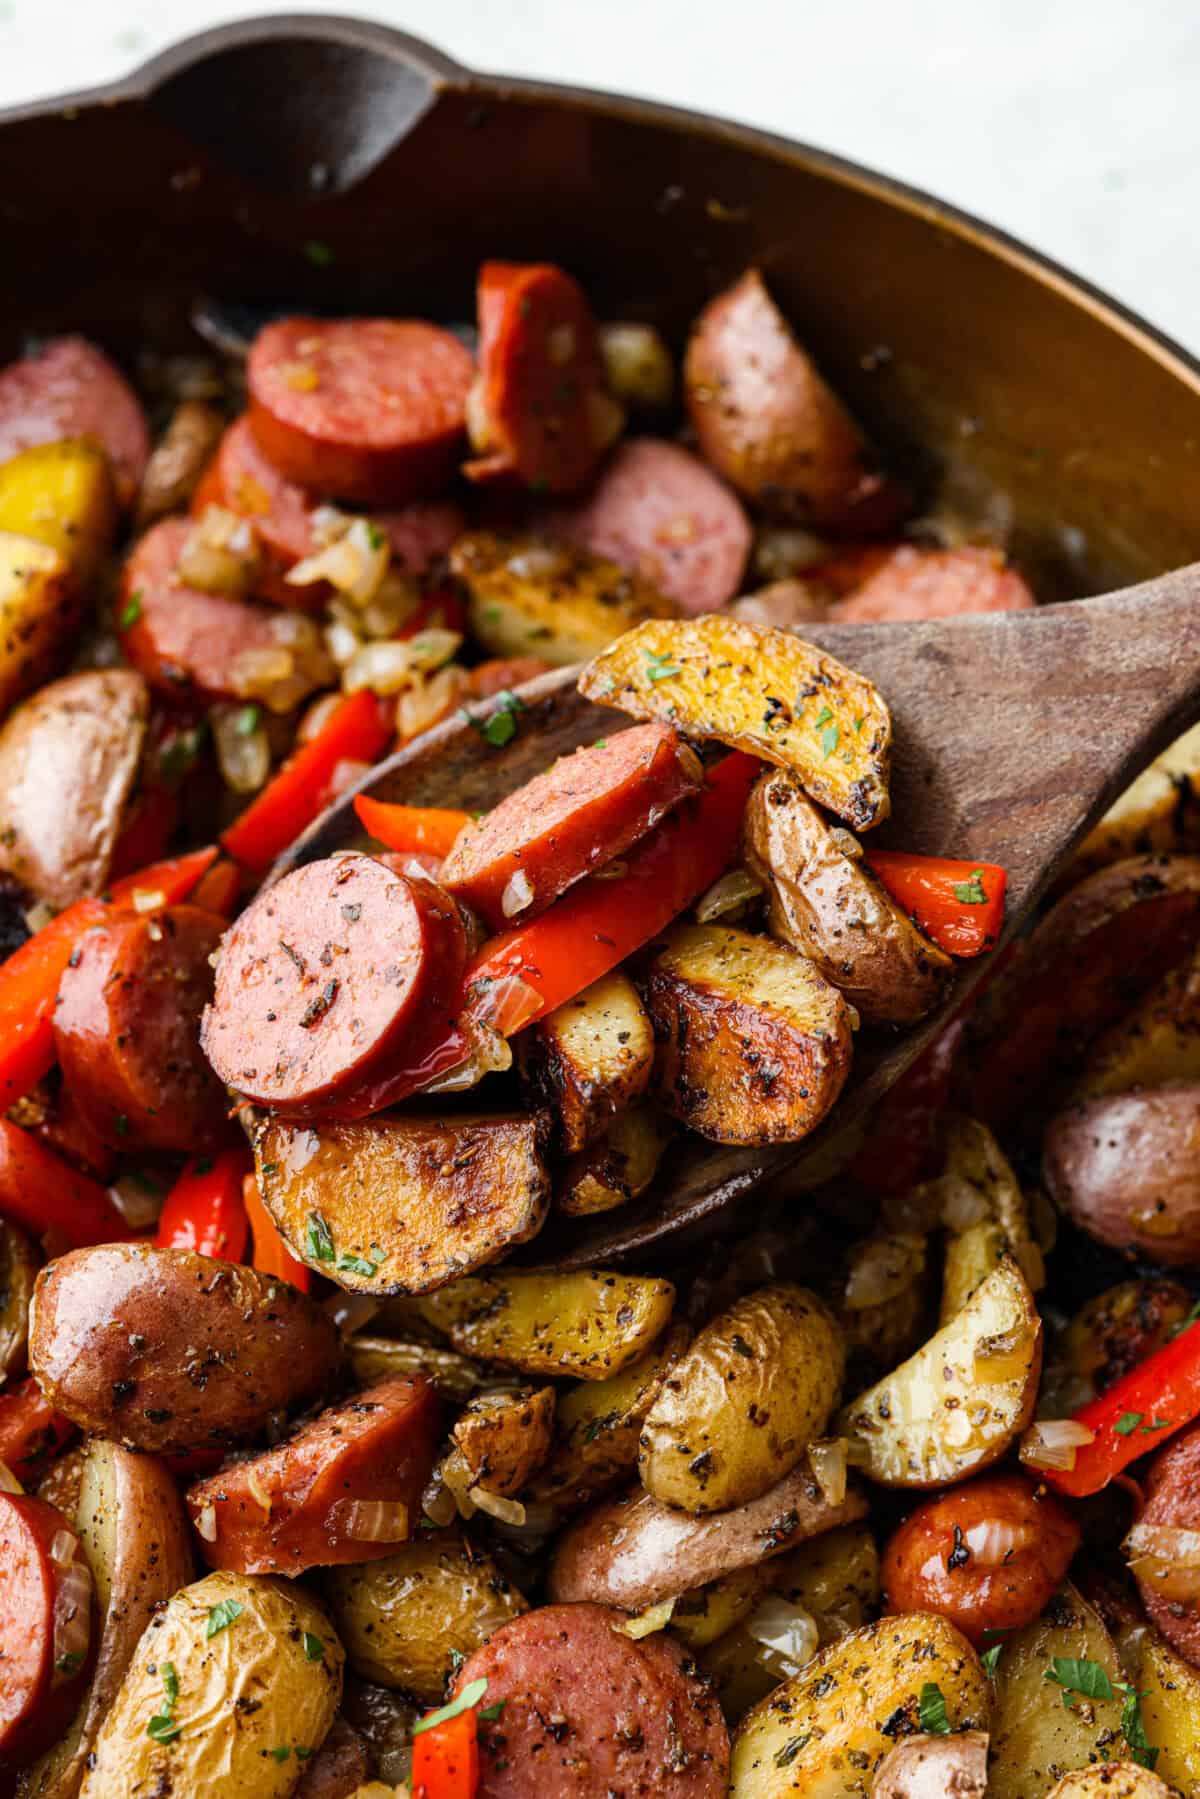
(220, 554)
(846, 841)
(438, 1503)
(206, 1524)
(342, 643)
(258, 1492)
(827, 1458)
(993, 1541)
(355, 563)
(138, 1200)
(1054, 1443)
(72, 1619)
(242, 746)
(508, 1511)
(733, 891)
(390, 667)
(479, 422)
(490, 1054)
(62, 1548)
(962, 1203)
(645, 1623)
(351, 1311)
(8, 1480)
(540, 562)
(371, 1520)
(505, 1004)
(518, 893)
(883, 1267)
(786, 1633)
(328, 523)
(1166, 1557)
(39, 915)
(428, 701)
(319, 715)
(638, 366)
(148, 899)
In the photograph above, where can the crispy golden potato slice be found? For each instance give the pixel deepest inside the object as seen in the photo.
(618, 1166)
(1171, 1711)
(41, 603)
(961, 1401)
(1160, 811)
(760, 690)
(978, 1178)
(754, 1043)
(586, 1324)
(590, 1058)
(823, 899)
(526, 597)
(406, 1201)
(63, 495)
(503, 1438)
(1158, 1042)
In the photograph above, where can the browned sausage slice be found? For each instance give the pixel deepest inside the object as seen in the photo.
(372, 410)
(71, 389)
(571, 820)
(326, 977)
(1173, 1489)
(915, 583)
(127, 1031)
(589, 1713)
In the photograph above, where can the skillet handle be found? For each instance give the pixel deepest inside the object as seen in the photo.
(296, 105)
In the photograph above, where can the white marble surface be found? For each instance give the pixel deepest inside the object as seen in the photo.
(1073, 123)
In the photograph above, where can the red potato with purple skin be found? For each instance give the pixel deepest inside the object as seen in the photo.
(929, 1767)
(1126, 1168)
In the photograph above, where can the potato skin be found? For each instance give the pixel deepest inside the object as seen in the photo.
(40, 607)
(164, 1349)
(618, 1166)
(253, 1686)
(834, 910)
(504, 1437)
(754, 1045)
(740, 1408)
(404, 1620)
(1116, 1330)
(1126, 1168)
(590, 1058)
(941, 1560)
(932, 1767)
(1171, 1711)
(19, 1263)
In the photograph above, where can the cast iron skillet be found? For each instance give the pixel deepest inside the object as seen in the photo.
(1007, 389)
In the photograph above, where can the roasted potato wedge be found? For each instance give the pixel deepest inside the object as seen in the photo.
(19, 1264)
(405, 1620)
(587, 1324)
(884, 1300)
(698, 1618)
(590, 1059)
(63, 495)
(270, 1679)
(1126, 1168)
(1155, 1045)
(1035, 1736)
(823, 900)
(960, 1402)
(744, 1402)
(68, 762)
(754, 1045)
(618, 1166)
(1112, 1780)
(137, 1542)
(825, 1732)
(410, 1200)
(503, 1438)
(1171, 1711)
(526, 597)
(978, 1179)
(41, 602)
(455, 1376)
(760, 690)
(1158, 813)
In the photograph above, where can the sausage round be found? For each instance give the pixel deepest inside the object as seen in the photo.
(327, 978)
(37, 1697)
(326, 1487)
(1173, 1489)
(589, 1713)
(69, 388)
(988, 1555)
(914, 583)
(126, 1031)
(659, 512)
(569, 821)
(372, 410)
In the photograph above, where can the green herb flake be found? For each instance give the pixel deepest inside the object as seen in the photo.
(971, 893)
(301, 1753)
(786, 1756)
(318, 1239)
(659, 666)
(501, 727)
(989, 1658)
(221, 1616)
(1127, 1423)
(470, 1696)
(829, 741)
(68, 1663)
(492, 1712)
(280, 1752)
(375, 536)
(859, 723)
(163, 1728)
(1133, 1727)
(351, 1264)
(130, 612)
(932, 1708)
(314, 1648)
(1156, 1424)
(1085, 1678)
(247, 721)
(319, 254)
(121, 1125)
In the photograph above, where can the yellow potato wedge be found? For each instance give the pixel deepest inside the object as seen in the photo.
(587, 1325)
(754, 1045)
(962, 1400)
(1171, 1712)
(63, 495)
(504, 1438)
(1112, 1780)
(824, 1733)
(699, 1617)
(618, 1166)
(436, 1197)
(979, 1178)
(41, 603)
(1158, 812)
(526, 597)
(760, 690)
(455, 1376)
(589, 1059)
(1157, 1043)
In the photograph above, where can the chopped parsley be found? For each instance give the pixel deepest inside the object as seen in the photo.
(829, 741)
(1090, 1681)
(319, 254)
(1133, 1727)
(67, 1664)
(786, 1756)
(314, 1648)
(280, 1753)
(932, 1708)
(246, 723)
(471, 1694)
(318, 1239)
(130, 612)
(971, 893)
(990, 1657)
(374, 535)
(162, 1728)
(221, 1616)
(1156, 1424)
(1127, 1423)
(492, 1712)
(659, 666)
(351, 1264)
(501, 727)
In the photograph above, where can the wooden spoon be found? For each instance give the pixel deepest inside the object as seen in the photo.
(1014, 731)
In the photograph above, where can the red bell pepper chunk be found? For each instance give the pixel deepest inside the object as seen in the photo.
(359, 731)
(271, 1254)
(31, 1431)
(1137, 1413)
(429, 830)
(597, 923)
(220, 888)
(41, 1193)
(958, 905)
(443, 609)
(30, 977)
(205, 1210)
(445, 1763)
(149, 826)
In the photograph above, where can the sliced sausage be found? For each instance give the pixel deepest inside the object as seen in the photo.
(44, 1574)
(1167, 1586)
(539, 412)
(126, 1029)
(571, 820)
(767, 421)
(988, 1555)
(589, 1713)
(914, 583)
(372, 410)
(934, 1767)
(69, 388)
(499, 674)
(180, 636)
(659, 512)
(329, 976)
(243, 479)
(166, 1349)
(345, 1488)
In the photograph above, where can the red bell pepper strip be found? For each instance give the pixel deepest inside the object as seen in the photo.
(445, 1760)
(958, 905)
(271, 1254)
(412, 829)
(205, 1210)
(1137, 1413)
(219, 889)
(40, 1192)
(597, 923)
(443, 609)
(31, 1431)
(30, 977)
(359, 731)
(149, 825)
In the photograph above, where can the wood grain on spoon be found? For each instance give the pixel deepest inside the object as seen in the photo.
(1013, 733)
